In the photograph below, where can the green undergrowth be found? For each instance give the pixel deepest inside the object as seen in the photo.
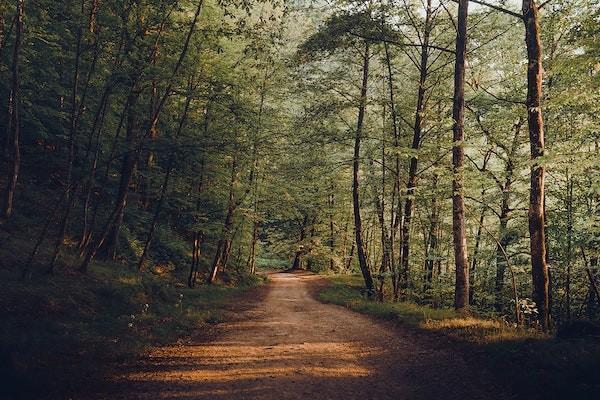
(62, 331)
(531, 364)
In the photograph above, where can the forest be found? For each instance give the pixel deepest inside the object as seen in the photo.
(170, 168)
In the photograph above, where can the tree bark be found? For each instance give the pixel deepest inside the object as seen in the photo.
(416, 144)
(362, 259)
(130, 160)
(396, 214)
(539, 265)
(297, 264)
(433, 238)
(461, 290)
(569, 257)
(15, 118)
(74, 122)
(165, 185)
(331, 229)
(475, 260)
(224, 244)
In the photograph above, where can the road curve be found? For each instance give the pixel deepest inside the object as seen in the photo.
(290, 346)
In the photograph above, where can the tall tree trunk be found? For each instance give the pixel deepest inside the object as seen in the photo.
(15, 118)
(331, 229)
(297, 264)
(224, 244)
(380, 207)
(198, 236)
(505, 215)
(165, 185)
(433, 237)
(309, 262)
(144, 182)
(475, 260)
(396, 212)
(254, 181)
(594, 296)
(130, 160)
(74, 122)
(196, 252)
(501, 262)
(569, 257)
(362, 258)
(416, 144)
(461, 290)
(539, 265)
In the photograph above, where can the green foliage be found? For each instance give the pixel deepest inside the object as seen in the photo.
(111, 315)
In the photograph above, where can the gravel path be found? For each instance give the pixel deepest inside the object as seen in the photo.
(290, 346)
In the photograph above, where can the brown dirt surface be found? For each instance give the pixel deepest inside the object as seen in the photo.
(286, 345)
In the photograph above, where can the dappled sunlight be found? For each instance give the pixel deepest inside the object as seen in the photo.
(282, 346)
(465, 322)
(479, 330)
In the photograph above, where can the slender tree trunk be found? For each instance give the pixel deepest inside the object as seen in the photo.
(539, 264)
(475, 260)
(94, 9)
(350, 256)
(309, 262)
(594, 291)
(362, 258)
(153, 134)
(15, 118)
(130, 160)
(461, 292)
(396, 214)
(164, 188)
(433, 237)
(199, 234)
(251, 263)
(74, 122)
(297, 264)
(416, 144)
(569, 258)
(26, 273)
(501, 263)
(196, 251)
(505, 216)
(91, 180)
(222, 252)
(198, 238)
(331, 229)
(380, 207)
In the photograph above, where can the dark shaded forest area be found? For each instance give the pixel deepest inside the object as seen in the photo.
(438, 161)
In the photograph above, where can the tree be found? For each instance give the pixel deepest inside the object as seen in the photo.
(14, 125)
(539, 265)
(461, 293)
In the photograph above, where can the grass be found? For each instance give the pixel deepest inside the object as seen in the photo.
(60, 333)
(272, 263)
(534, 365)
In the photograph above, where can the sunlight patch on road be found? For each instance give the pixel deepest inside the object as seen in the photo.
(230, 362)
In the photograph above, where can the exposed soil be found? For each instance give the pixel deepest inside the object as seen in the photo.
(287, 345)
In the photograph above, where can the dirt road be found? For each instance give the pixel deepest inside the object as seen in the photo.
(290, 346)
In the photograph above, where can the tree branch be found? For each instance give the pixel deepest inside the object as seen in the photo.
(497, 8)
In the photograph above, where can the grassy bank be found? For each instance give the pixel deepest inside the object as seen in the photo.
(534, 365)
(62, 333)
